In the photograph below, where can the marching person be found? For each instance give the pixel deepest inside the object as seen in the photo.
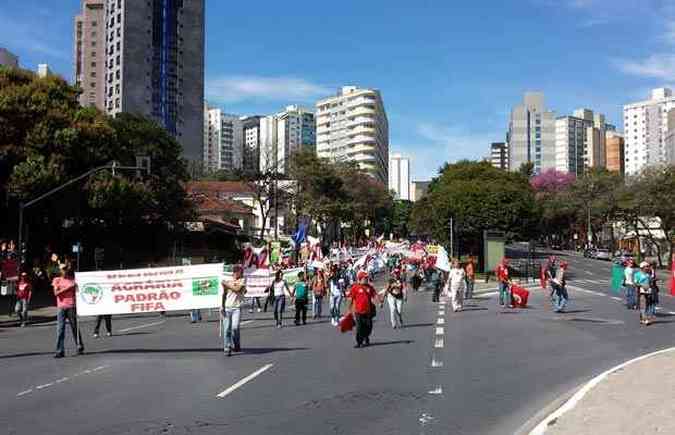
(655, 285)
(301, 296)
(504, 281)
(437, 281)
(65, 289)
(456, 283)
(362, 296)
(319, 291)
(336, 294)
(551, 270)
(233, 297)
(629, 285)
(280, 290)
(24, 293)
(559, 284)
(108, 325)
(396, 296)
(642, 281)
(470, 273)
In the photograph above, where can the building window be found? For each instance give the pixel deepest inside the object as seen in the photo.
(117, 103)
(93, 84)
(93, 43)
(118, 59)
(93, 54)
(93, 73)
(94, 24)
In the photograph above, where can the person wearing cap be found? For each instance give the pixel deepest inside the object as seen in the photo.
(629, 285)
(504, 281)
(642, 281)
(65, 289)
(24, 291)
(362, 296)
(233, 297)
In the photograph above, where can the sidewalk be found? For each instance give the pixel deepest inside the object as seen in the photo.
(635, 399)
(39, 315)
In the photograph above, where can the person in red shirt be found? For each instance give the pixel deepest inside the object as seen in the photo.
(362, 297)
(504, 281)
(23, 295)
(65, 290)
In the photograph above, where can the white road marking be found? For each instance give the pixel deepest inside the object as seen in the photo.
(672, 313)
(58, 381)
(570, 404)
(246, 322)
(147, 325)
(23, 393)
(588, 272)
(583, 290)
(440, 331)
(440, 321)
(617, 299)
(425, 418)
(435, 363)
(248, 378)
(439, 343)
(61, 380)
(436, 391)
(39, 387)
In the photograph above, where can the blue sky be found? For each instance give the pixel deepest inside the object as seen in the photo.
(449, 71)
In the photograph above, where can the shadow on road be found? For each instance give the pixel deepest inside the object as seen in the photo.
(22, 355)
(387, 343)
(419, 325)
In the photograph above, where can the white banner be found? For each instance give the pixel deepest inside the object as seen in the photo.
(148, 290)
(259, 280)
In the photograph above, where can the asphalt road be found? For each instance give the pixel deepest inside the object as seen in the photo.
(481, 371)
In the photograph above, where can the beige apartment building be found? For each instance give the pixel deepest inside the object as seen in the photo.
(615, 152)
(353, 126)
(89, 56)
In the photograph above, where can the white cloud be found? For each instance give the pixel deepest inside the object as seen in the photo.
(232, 89)
(660, 66)
(443, 143)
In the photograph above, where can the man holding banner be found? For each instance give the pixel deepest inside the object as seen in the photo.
(233, 297)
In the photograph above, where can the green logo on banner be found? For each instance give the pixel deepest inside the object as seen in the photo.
(205, 287)
(91, 294)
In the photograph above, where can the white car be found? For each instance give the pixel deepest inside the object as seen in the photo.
(603, 254)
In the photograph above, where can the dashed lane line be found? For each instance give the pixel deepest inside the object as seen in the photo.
(147, 325)
(244, 381)
(436, 363)
(59, 381)
(440, 321)
(440, 331)
(439, 343)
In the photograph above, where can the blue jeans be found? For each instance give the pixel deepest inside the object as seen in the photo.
(279, 307)
(231, 319)
(631, 296)
(468, 290)
(61, 315)
(316, 308)
(195, 316)
(561, 298)
(335, 302)
(504, 294)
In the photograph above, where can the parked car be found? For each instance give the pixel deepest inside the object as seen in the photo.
(603, 254)
(589, 252)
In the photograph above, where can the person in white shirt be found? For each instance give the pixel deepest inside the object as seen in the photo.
(233, 297)
(280, 290)
(629, 285)
(456, 283)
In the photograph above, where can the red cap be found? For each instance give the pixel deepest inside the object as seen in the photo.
(361, 275)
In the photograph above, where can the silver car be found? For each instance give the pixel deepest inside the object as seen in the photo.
(603, 254)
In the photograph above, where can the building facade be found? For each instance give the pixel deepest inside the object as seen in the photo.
(8, 59)
(615, 152)
(531, 135)
(580, 142)
(353, 126)
(499, 155)
(283, 134)
(251, 147)
(146, 58)
(223, 145)
(646, 131)
(89, 56)
(418, 189)
(399, 176)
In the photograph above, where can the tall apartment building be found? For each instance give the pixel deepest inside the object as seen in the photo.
(580, 141)
(531, 135)
(499, 155)
(223, 143)
(399, 176)
(153, 58)
(90, 53)
(43, 70)
(615, 152)
(8, 59)
(353, 126)
(283, 134)
(646, 130)
(251, 147)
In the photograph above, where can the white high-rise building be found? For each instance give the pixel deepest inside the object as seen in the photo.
(283, 134)
(399, 176)
(353, 126)
(44, 70)
(251, 151)
(531, 136)
(223, 144)
(580, 141)
(646, 131)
